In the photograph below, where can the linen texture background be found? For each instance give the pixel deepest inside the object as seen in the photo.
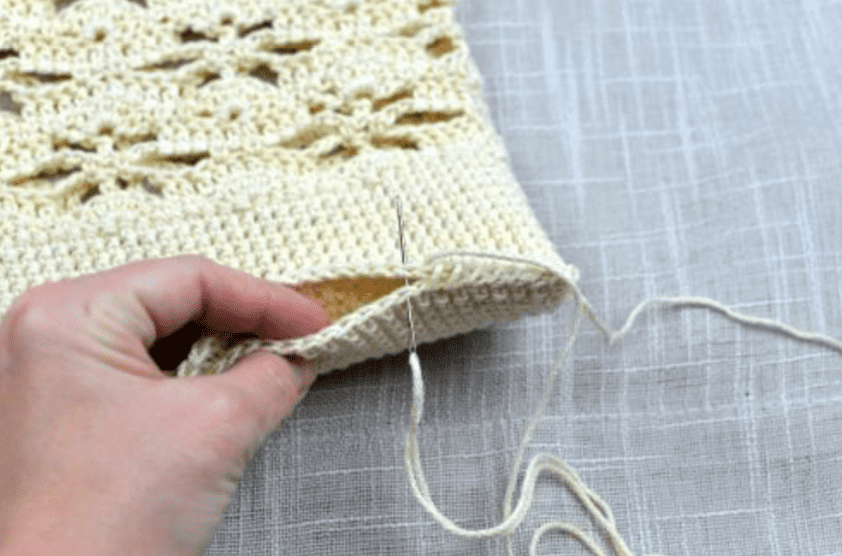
(669, 147)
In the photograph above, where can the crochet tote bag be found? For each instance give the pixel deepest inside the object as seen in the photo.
(270, 136)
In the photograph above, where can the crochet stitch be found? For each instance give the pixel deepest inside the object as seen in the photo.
(271, 136)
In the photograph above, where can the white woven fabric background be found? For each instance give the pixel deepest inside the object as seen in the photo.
(668, 147)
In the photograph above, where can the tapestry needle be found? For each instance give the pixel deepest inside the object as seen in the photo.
(412, 341)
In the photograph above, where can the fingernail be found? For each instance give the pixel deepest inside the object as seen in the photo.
(304, 374)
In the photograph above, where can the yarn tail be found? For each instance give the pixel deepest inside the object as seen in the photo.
(597, 508)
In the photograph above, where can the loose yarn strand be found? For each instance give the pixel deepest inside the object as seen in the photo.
(512, 519)
(535, 418)
(542, 462)
(614, 336)
(742, 318)
(595, 506)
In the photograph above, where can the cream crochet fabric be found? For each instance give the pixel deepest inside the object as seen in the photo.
(271, 136)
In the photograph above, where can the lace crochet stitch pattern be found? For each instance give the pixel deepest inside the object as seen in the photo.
(271, 136)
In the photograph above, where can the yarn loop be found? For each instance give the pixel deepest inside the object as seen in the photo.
(595, 506)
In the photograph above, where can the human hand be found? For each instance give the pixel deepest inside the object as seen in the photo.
(102, 453)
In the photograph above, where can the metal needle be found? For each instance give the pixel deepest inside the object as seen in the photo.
(412, 341)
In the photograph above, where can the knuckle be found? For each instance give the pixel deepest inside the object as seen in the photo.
(226, 406)
(201, 261)
(34, 311)
(229, 423)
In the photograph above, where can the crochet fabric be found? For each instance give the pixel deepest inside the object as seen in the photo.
(271, 136)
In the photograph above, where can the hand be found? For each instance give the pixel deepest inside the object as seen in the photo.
(101, 452)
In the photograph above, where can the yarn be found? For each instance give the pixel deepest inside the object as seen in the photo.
(260, 133)
(269, 136)
(707, 303)
(595, 506)
(543, 462)
(614, 336)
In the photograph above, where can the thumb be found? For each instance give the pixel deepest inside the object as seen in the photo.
(270, 385)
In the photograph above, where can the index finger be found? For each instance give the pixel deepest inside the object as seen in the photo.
(172, 292)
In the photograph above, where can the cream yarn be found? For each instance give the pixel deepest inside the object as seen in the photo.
(597, 509)
(270, 136)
